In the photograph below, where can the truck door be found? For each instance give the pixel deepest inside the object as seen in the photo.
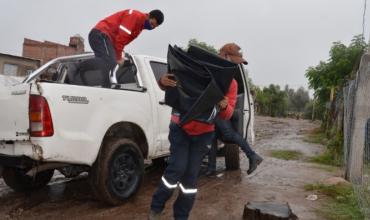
(248, 115)
(163, 111)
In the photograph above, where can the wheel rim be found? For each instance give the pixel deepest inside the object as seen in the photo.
(125, 174)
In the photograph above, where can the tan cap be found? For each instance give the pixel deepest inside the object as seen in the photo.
(233, 51)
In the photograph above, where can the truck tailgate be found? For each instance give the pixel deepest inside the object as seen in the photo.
(14, 104)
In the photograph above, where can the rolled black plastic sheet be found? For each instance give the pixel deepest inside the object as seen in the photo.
(202, 78)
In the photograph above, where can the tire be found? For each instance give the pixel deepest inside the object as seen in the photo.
(232, 161)
(118, 171)
(17, 179)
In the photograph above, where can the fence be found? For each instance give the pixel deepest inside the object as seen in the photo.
(356, 130)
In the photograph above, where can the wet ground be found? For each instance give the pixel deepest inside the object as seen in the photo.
(221, 197)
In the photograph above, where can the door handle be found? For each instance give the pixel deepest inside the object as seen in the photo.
(162, 102)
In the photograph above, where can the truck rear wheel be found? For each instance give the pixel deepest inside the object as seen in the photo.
(232, 161)
(118, 172)
(17, 179)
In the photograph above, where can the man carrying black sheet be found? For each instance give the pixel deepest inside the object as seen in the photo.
(225, 129)
(190, 142)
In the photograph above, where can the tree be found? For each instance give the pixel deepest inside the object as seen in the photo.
(328, 77)
(272, 101)
(203, 45)
(290, 94)
(299, 99)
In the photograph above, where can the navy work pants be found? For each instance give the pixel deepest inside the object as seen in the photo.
(186, 154)
(105, 55)
(225, 130)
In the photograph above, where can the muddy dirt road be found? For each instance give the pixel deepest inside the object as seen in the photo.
(221, 197)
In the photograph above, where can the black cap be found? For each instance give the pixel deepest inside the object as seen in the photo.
(158, 15)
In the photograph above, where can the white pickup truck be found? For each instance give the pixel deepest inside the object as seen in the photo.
(61, 119)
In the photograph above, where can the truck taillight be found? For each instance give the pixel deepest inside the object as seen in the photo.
(41, 123)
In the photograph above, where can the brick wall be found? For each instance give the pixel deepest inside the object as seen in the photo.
(48, 50)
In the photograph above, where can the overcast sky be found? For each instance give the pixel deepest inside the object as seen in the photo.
(279, 38)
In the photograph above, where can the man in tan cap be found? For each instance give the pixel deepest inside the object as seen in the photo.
(224, 128)
(232, 52)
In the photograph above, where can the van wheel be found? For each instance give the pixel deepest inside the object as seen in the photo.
(232, 161)
(17, 179)
(118, 171)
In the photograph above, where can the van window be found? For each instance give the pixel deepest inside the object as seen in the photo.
(158, 69)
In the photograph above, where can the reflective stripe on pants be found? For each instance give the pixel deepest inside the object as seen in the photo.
(186, 155)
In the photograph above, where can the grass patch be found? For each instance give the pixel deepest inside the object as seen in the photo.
(341, 202)
(326, 158)
(333, 154)
(316, 136)
(327, 168)
(286, 154)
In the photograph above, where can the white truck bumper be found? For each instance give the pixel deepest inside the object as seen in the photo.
(24, 148)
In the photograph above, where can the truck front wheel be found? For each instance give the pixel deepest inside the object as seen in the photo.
(232, 161)
(118, 172)
(17, 179)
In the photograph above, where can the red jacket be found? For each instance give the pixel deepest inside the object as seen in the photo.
(122, 27)
(198, 128)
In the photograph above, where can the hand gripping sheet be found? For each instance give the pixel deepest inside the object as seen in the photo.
(203, 79)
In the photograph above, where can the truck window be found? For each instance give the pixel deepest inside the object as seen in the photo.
(51, 74)
(158, 69)
(127, 74)
(239, 80)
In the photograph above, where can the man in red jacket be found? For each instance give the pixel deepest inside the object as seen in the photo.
(110, 36)
(224, 128)
(189, 144)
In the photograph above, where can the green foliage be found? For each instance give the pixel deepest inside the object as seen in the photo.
(327, 79)
(333, 154)
(334, 73)
(286, 154)
(308, 109)
(298, 99)
(272, 101)
(335, 146)
(203, 45)
(341, 202)
(316, 136)
(326, 158)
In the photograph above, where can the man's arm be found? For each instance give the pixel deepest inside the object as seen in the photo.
(227, 105)
(167, 80)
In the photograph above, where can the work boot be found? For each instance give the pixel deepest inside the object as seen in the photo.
(211, 173)
(154, 215)
(254, 161)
